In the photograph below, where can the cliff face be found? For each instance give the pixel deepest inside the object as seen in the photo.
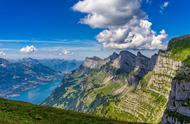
(125, 87)
(178, 108)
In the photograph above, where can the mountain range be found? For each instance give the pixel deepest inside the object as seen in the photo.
(60, 65)
(125, 87)
(131, 87)
(27, 73)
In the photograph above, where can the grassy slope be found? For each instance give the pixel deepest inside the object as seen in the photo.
(12, 112)
(180, 49)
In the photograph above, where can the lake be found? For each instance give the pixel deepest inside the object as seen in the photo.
(37, 95)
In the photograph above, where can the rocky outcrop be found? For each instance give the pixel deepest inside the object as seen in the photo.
(178, 108)
(94, 63)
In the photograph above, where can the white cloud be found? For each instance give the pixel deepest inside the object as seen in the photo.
(108, 13)
(28, 49)
(126, 24)
(135, 34)
(2, 54)
(164, 6)
(65, 52)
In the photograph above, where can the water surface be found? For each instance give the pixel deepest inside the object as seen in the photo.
(37, 95)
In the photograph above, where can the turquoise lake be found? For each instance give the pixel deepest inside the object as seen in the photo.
(39, 94)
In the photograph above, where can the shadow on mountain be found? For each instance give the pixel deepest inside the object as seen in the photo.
(178, 106)
(99, 85)
(126, 64)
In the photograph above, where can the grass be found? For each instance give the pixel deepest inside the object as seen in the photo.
(109, 89)
(12, 112)
(180, 49)
(112, 111)
(144, 81)
(96, 78)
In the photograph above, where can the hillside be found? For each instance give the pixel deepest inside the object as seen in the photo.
(12, 112)
(179, 49)
(125, 86)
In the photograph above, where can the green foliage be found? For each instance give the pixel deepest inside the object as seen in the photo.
(186, 103)
(12, 112)
(187, 61)
(182, 118)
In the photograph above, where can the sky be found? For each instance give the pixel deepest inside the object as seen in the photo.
(73, 29)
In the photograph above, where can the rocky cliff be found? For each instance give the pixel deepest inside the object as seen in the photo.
(128, 87)
(178, 108)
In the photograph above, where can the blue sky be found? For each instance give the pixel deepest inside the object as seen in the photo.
(52, 26)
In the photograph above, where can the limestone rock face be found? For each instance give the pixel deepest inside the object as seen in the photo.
(93, 63)
(126, 87)
(178, 108)
(125, 61)
(123, 84)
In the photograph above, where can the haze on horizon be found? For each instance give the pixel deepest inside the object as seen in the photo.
(76, 29)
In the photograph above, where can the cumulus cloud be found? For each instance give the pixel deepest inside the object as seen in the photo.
(108, 13)
(126, 24)
(136, 34)
(164, 6)
(28, 49)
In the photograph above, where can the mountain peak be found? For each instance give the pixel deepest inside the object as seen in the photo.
(93, 62)
(179, 49)
(113, 56)
(182, 42)
(126, 53)
(29, 61)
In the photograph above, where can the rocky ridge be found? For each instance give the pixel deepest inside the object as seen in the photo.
(126, 87)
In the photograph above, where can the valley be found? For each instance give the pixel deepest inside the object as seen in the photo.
(21, 78)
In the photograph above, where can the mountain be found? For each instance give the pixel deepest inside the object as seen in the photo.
(178, 107)
(60, 65)
(12, 112)
(16, 77)
(131, 87)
